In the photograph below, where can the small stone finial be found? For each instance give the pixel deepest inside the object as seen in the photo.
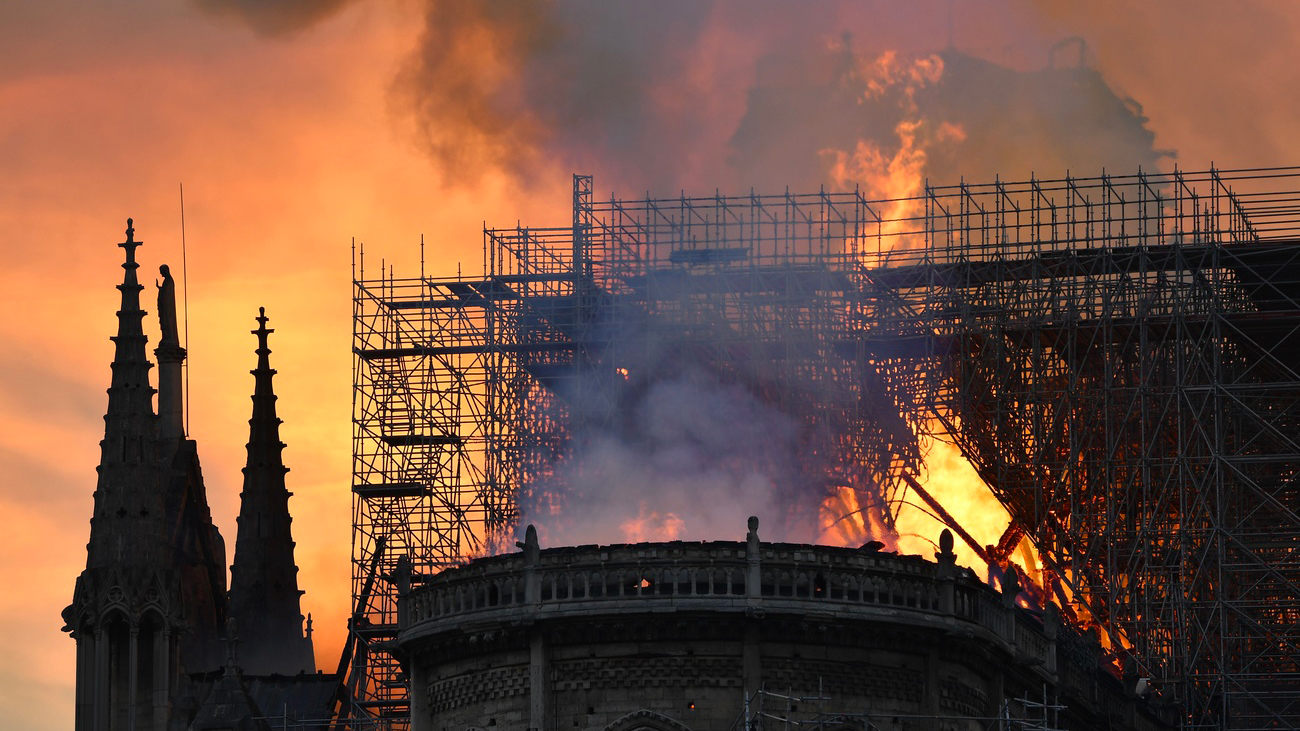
(1051, 621)
(309, 630)
(130, 245)
(262, 330)
(1131, 669)
(751, 538)
(1010, 586)
(1092, 638)
(530, 546)
(402, 574)
(945, 558)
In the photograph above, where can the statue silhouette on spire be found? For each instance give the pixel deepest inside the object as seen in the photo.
(167, 308)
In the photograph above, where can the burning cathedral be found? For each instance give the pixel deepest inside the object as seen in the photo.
(1114, 356)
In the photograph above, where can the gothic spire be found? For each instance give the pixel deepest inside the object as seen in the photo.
(129, 556)
(130, 398)
(264, 596)
(129, 507)
(148, 608)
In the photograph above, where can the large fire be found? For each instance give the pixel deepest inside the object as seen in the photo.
(898, 509)
(906, 130)
(652, 525)
(893, 172)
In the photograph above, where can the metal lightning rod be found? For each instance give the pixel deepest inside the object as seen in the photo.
(185, 305)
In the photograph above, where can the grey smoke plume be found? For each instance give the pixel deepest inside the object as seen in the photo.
(673, 427)
(521, 84)
(948, 114)
(733, 95)
(690, 459)
(273, 17)
(739, 94)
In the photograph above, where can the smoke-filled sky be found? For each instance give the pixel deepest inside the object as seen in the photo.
(297, 125)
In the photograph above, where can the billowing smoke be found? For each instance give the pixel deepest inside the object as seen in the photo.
(672, 425)
(273, 17)
(687, 457)
(740, 94)
(737, 95)
(524, 85)
(890, 122)
(752, 94)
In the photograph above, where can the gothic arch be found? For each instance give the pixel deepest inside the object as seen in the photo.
(646, 720)
(151, 614)
(113, 615)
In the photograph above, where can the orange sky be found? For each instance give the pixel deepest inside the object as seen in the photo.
(289, 145)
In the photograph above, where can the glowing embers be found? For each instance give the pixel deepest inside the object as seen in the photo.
(652, 525)
(845, 521)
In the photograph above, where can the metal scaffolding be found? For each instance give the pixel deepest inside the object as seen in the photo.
(1116, 356)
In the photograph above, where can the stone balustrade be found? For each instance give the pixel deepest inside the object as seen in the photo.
(597, 637)
(717, 576)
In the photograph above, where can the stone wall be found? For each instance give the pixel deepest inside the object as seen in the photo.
(702, 635)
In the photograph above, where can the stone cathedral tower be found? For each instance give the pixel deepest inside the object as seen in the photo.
(150, 605)
(150, 611)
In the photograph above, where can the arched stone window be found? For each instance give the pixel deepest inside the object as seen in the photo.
(646, 720)
(115, 669)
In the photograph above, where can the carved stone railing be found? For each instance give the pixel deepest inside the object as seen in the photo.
(721, 576)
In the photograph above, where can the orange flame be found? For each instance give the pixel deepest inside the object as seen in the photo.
(895, 179)
(651, 525)
(844, 521)
(892, 172)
